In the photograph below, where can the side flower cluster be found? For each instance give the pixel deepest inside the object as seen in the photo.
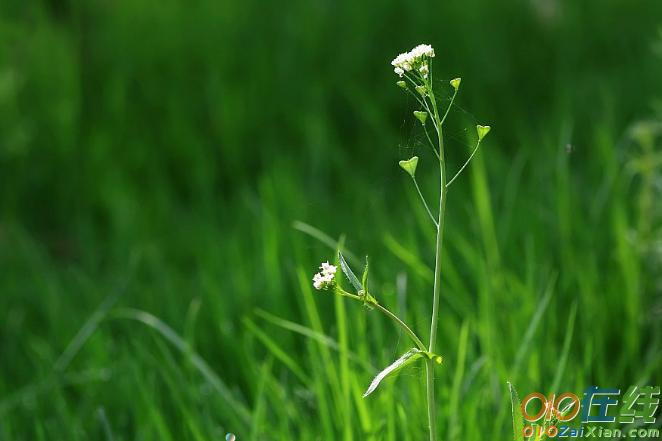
(325, 278)
(414, 60)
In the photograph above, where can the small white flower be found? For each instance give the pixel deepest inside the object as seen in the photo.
(326, 268)
(317, 281)
(423, 49)
(325, 278)
(413, 59)
(424, 70)
(400, 59)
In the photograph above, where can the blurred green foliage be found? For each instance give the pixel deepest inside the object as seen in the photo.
(193, 134)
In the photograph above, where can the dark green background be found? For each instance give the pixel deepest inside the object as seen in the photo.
(191, 135)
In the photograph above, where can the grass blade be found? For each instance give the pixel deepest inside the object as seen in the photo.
(96, 318)
(277, 351)
(409, 258)
(518, 426)
(313, 335)
(169, 334)
(533, 325)
(563, 361)
(108, 432)
(325, 239)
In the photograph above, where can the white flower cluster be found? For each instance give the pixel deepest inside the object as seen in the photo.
(325, 278)
(414, 60)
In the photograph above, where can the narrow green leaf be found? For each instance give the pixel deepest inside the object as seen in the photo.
(281, 354)
(565, 352)
(183, 346)
(319, 337)
(407, 256)
(533, 325)
(101, 413)
(97, 317)
(518, 427)
(565, 411)
(348, 272)
(326, 240)
(408, 358)
(364, 282)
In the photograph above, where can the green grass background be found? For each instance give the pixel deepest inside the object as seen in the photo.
(155, 156)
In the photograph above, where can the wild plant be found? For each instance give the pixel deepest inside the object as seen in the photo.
(414, 69)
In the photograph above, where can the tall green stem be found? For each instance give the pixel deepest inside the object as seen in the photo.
(437, 265)
(432, 419)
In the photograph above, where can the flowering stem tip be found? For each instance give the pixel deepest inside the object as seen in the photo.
(415, 60)
(325, 279)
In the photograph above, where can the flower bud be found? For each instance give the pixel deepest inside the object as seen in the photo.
(410, 166)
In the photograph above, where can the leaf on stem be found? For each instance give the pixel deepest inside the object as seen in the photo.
(408, 358)
(364, 282)
(348, 272)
